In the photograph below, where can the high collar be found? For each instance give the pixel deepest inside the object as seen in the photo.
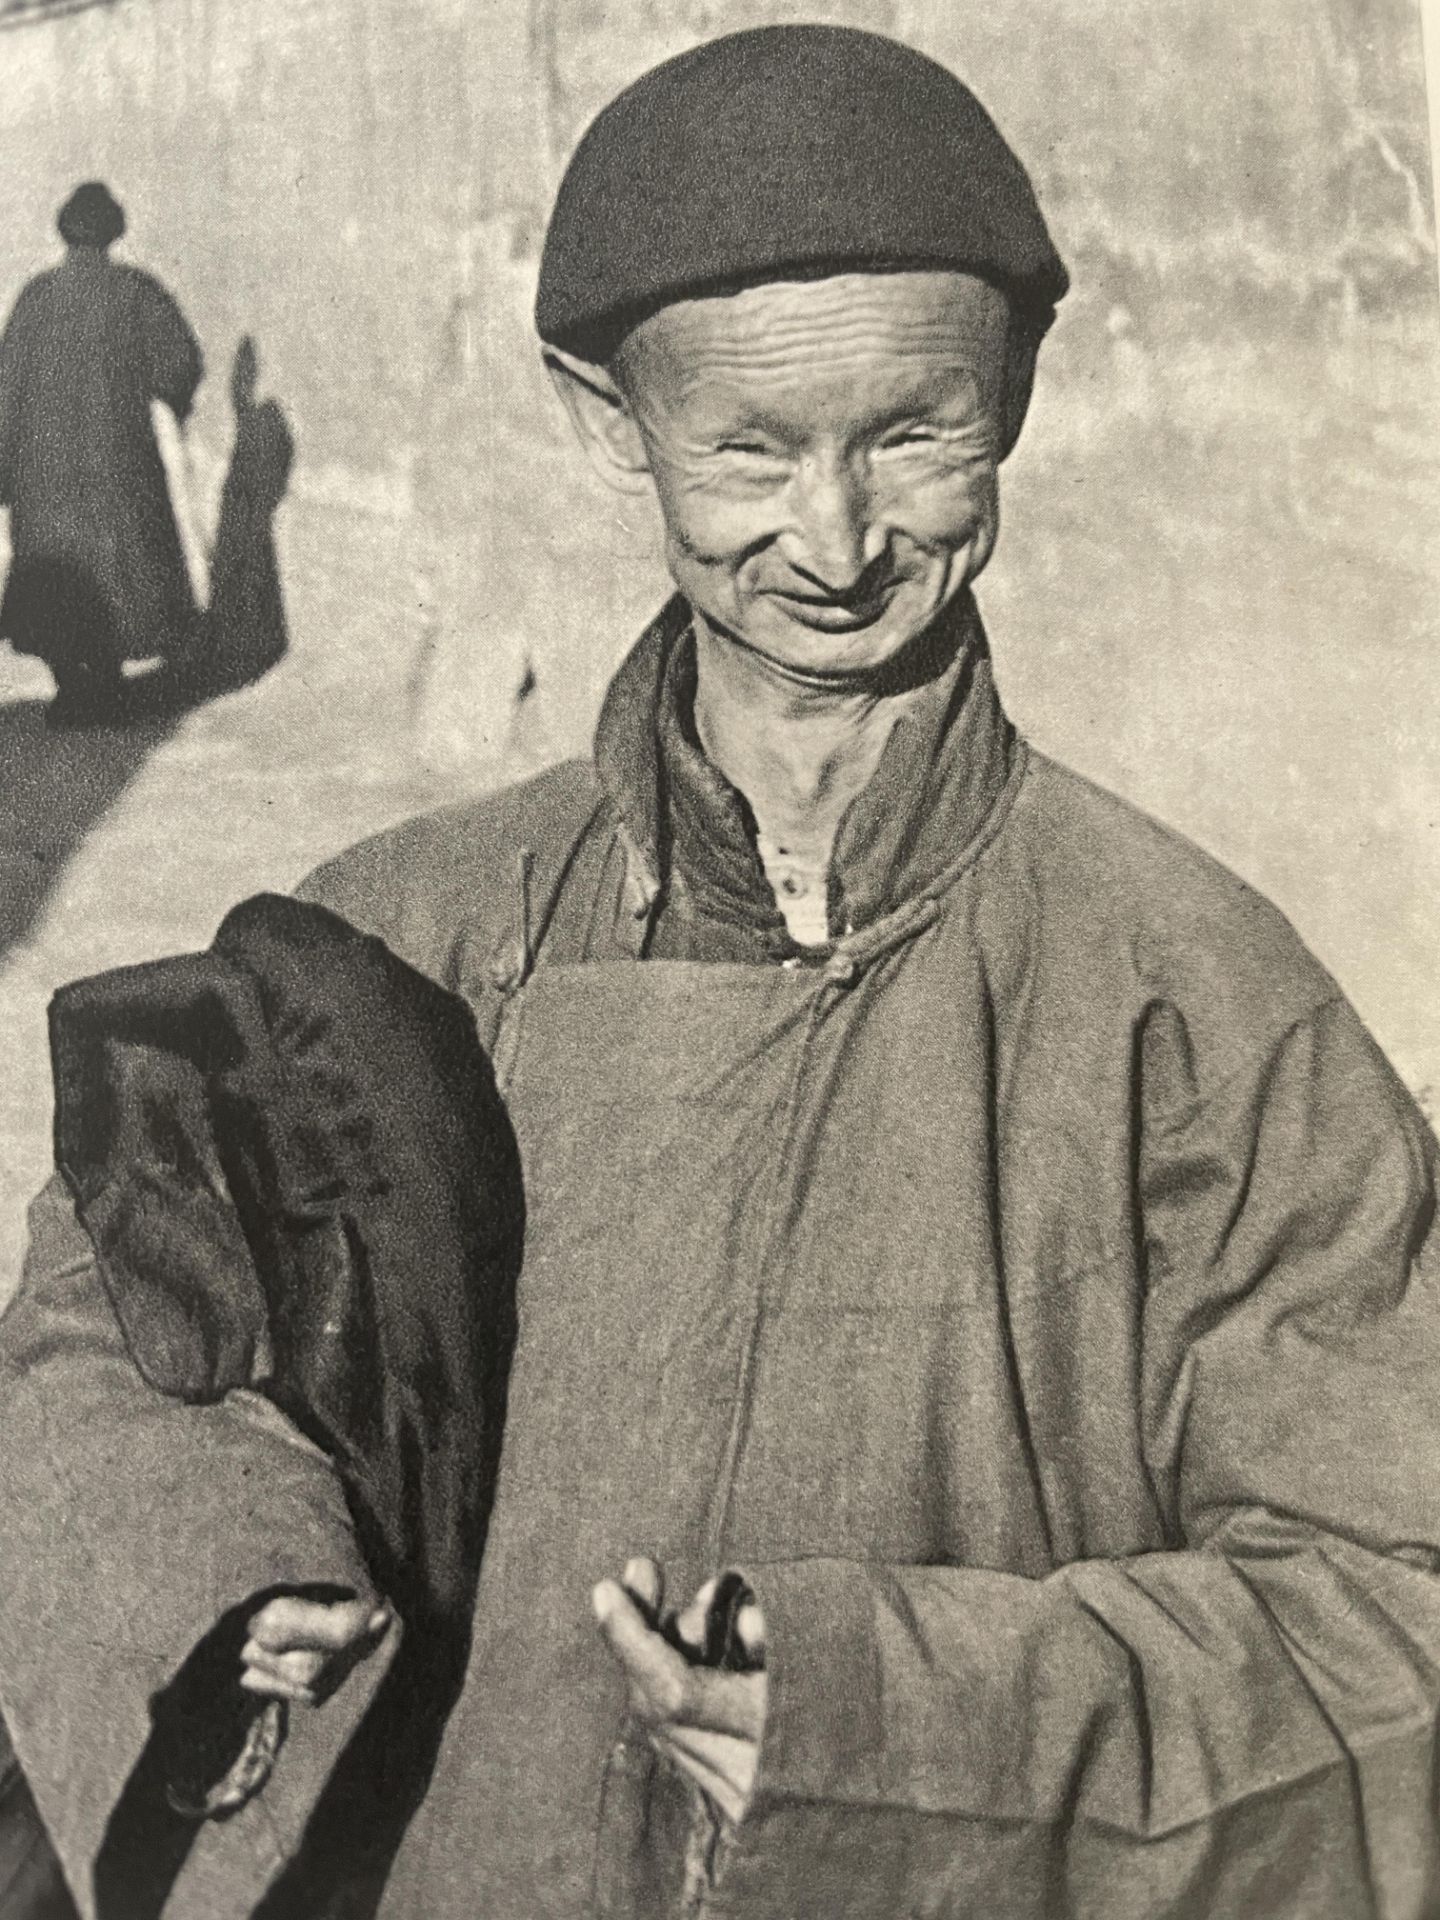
(941, 773)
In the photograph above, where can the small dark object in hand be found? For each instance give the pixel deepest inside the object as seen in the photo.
(722, 1645)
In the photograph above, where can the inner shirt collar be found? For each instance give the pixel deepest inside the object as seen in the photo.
(941, 772)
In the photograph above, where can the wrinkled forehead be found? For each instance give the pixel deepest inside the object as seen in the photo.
(881, 331)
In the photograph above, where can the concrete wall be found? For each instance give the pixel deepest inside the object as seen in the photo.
(1217, 589)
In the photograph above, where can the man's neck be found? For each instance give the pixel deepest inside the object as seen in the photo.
(800, 753)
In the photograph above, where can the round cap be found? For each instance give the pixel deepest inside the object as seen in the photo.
(91, 217)
(779, 152)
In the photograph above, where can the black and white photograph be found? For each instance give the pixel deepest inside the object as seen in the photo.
(719, 960)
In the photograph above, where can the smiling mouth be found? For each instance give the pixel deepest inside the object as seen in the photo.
(829, 613)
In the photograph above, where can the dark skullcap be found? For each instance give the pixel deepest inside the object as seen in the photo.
(783, 152)
(91, 217)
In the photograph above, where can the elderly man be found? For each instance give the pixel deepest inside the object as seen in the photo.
(955, 1206)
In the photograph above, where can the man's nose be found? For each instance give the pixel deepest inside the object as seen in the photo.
(833, 541)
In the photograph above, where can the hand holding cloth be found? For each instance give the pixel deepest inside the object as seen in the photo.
(292, 1161)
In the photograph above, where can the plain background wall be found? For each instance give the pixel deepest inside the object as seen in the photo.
(1217, 586)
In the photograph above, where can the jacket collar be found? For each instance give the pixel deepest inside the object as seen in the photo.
(943, 771)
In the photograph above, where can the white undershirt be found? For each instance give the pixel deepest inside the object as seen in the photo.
(799, 878)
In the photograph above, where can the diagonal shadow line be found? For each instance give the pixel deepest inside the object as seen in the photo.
(54, 787)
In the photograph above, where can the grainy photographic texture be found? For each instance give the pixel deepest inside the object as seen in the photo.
(363, 569)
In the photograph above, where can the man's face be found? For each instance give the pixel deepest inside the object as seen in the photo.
(825, 454)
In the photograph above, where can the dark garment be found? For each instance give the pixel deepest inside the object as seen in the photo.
(32, 1881)
(97, 573)
(297, 1175)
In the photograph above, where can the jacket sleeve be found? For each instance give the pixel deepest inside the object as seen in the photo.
(130, 1525)
(1243, 1725)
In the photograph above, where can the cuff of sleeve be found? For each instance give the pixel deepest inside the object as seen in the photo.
(824, 1730)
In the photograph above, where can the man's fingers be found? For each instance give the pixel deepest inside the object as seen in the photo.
(692, 1623)
(644, 1580)
(271, 1688)
(664, 1687)
(301, 1668)
(750, 1629)
(298, 1649)
(289, 1624)
(659, 1676)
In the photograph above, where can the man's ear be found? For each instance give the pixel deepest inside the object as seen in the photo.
(1022, 349)
(601, 416)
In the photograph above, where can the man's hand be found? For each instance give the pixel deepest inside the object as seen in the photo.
(302, 1649)
(707, 1720)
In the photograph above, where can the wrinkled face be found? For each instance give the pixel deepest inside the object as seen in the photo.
(825, 454)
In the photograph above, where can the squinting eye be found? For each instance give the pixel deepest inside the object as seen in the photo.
(912, 437)
(751, 447)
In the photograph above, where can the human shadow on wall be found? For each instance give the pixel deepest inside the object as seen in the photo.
(56, 784)
(242, 633)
